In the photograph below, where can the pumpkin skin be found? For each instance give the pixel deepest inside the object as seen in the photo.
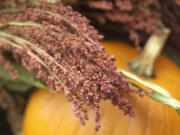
(49, 113)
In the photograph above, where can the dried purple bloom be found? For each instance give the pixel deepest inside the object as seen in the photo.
(60, 46)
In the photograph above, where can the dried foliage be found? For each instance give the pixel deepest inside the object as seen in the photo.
(13, 103)
(61, 47)
(136, 16)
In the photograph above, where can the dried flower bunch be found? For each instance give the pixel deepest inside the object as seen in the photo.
(62, 48)
(136, 16)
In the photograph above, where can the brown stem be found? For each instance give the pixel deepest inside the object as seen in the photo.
(144, 64)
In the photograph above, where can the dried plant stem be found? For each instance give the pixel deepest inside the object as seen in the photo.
(144, 64)
(27, 23)
(159, 94)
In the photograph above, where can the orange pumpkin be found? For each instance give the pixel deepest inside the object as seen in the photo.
(49, 113)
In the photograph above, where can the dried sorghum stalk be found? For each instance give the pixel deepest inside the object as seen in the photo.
(61, 47)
